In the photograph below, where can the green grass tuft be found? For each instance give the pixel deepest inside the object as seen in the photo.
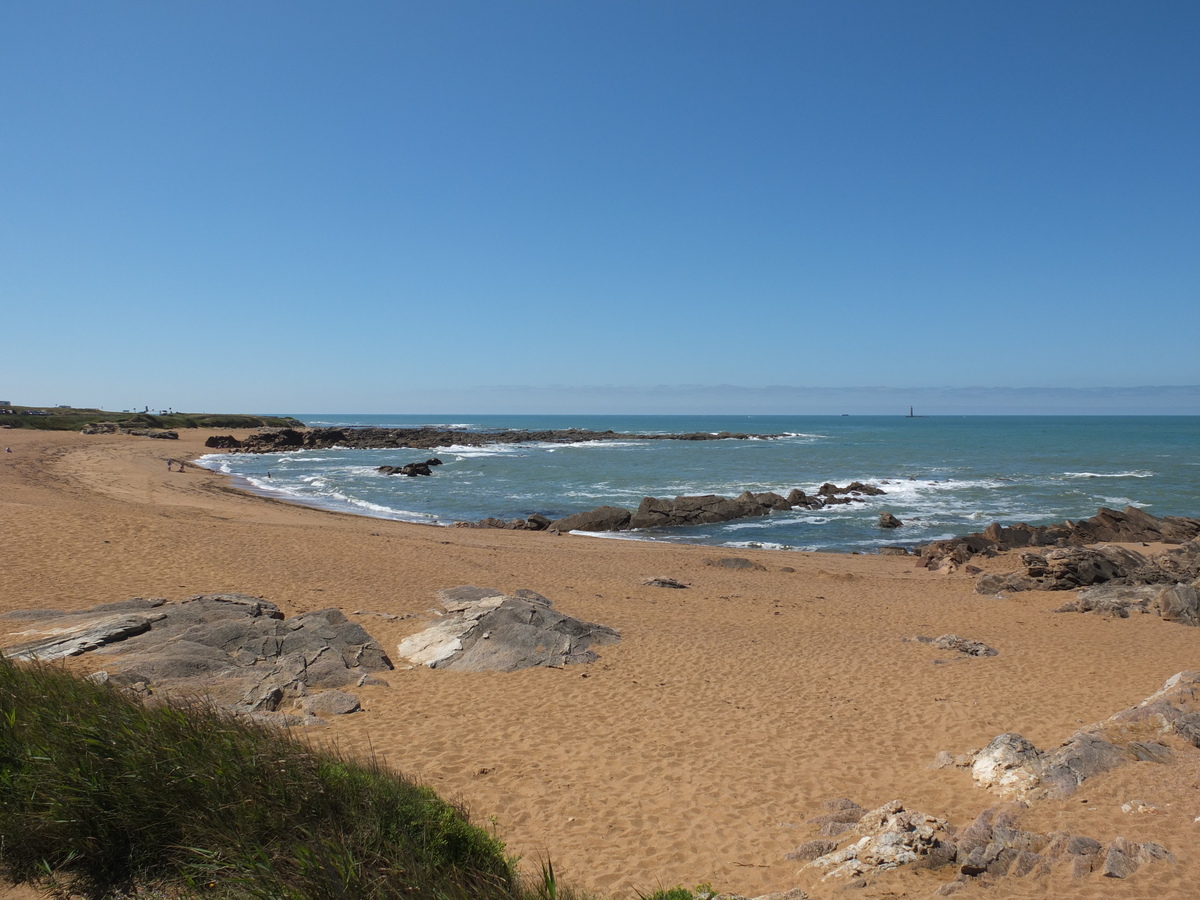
(99, 795)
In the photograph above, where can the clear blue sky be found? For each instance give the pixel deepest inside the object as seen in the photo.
(398, 206)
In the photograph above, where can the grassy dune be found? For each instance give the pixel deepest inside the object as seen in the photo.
(57, 419)
(99, 795)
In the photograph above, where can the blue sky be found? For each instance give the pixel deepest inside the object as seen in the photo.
(429, 207)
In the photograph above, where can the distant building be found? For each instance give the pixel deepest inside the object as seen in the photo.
(5, 403)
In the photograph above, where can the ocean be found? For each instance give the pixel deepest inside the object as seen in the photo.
(943, 476)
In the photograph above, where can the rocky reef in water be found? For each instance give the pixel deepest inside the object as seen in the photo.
(429, 438)
(705, 509)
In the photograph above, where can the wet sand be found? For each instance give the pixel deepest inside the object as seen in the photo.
(695, 749)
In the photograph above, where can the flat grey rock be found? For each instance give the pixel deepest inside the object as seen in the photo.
(234, 649)
(734, 562)
(67, 636)
(330, 703)
(486, 631)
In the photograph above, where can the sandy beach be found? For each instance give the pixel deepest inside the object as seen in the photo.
(697, 748)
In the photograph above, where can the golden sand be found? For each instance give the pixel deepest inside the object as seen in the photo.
(693, 751)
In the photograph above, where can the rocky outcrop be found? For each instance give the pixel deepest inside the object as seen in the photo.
(411, 469)
(1131, 525)
(603, 518)
(222, 442)
(957, 644)
(1173, 603)
(1014, 768)
(705, 509)
(1111, 580)
(887, 520)
(1073, 568)
(487, 631)
(535, 522)
(895, 836)
(236, 649)
(854, 488)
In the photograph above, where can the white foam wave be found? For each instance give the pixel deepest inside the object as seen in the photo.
(757, 545)
(585, 445)
(1139, 473)
(468, 452)
(1119, 502)
(752, 525)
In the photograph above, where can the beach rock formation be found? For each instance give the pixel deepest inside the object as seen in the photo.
(1072, 568)
(1014, 768)
(663, 581)
(535, 522)
(895, 836)
(1173, 603)
(887, 520)
(1131, 525)
(957, 644)
(602, 518)
(485, 630)
(222, 442)
(236, 649)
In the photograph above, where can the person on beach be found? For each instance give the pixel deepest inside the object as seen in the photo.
(169, 462)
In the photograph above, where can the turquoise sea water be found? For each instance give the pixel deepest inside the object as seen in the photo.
(944, 476)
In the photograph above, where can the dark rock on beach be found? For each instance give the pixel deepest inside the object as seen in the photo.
(534, 523)
(663, 581)
(222, 442)
(603, 518)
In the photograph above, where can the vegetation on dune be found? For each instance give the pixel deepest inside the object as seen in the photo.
(62, 419)
(100, 795)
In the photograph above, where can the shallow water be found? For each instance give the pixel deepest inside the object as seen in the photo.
(943, 476)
